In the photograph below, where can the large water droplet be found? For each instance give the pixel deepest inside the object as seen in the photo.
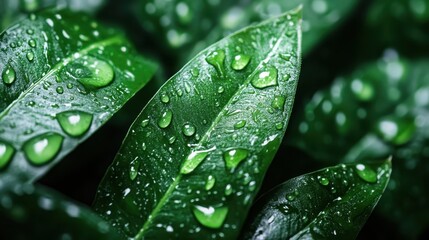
(211, 217)
(265, 78)
(43, 148)
(74, 123)
(8, 75)
(165, 119)
(6, 154)
(193, 160)
(366, 173)
(93, 72)
(188, 129)
(210, 182)
(240, 61)
(134, 168)
(233, 157)
(216, 59)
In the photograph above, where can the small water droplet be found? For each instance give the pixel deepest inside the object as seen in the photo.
(265, 78)
(366, 173)
(285, 56)
(211, 217)
(188, 129)
(240, 124)
(8, 75)
(210, 182)
(32, 43)
(220, 89)
(234, 157)
(228, 190)
(134, 168)
(216, 59)
(145, 123)
(6, 154)
(60, 90)
(193, 160)
(30, 56)
(41, 149)
(165, 98)
(165, 119)
(195, 72)
(93, 72)
(74, 123)
(172, 139)
(291, 196)
(240, 61)
(278, 102)
(322, 180)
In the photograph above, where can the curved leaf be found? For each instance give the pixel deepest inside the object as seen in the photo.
(332, 203)
(195, 157)
(29, 212)
(12, 10)
(62, 77)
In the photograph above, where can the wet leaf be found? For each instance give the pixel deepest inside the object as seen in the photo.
(195, 157)
(332, 203)
(32, 212)
(62, 76)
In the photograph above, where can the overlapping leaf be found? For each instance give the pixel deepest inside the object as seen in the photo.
(62, 77)
(332, 203)
(195, 157)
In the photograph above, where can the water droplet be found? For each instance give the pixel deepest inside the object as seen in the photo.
(32, 43)
(265, 78)
(74, 123)
(210, 182)
(193, 160)
(172, 139)
(6, 154)
(134, 168)
(322, 180)
(228, 190)
(279, 126)
(278, 102)
(8, 75)
(233, 157)
(30, 56)
(60, 90)
(291, 196)
(195, 72)
(30, 31)
(165, 119)
(366, 173)
(216, 59)
(363, 90)
(41, 149)
(93, 73)
(145, 123)
(396, 130)
(188, 129)
(240, 61)
(165, 98)
(211, 217)
(220, 89)
(240, 124)
(285, 56)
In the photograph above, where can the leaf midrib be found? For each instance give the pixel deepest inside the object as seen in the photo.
(74, 56)
(206, 135)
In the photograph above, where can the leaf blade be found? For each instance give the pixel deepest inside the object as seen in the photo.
(205, 99)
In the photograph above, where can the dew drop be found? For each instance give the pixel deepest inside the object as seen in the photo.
(193, 160)
(211, 217)
(32, 43)
(41, 149)
(188, 129)
(228, 190)
(278, 102)
(324, 181)
(6, 154)
(60, 90)
(30, 56)
(74, 123)
(93, 73)
(145, 123)
(240, 124)
(134, 168)
(210, 182)
(165, 119)
(8, 75)
(366, 173)
(220, 89)
(240, 61)
(195, 72)
(216, 59)
(234, 157)
(165, 98)
(265, 78)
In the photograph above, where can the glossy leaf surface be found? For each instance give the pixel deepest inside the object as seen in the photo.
(360, 118)
(62, 76)
(196, 156)
(29, 212)
(332, 203)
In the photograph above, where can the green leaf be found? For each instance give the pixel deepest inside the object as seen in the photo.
(33, 212)
(332, 203)
(195, 157)
(378, 110)
(13, 10)
(62, 77)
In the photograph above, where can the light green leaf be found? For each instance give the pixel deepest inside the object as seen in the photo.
(62, 76)
(195, 157)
